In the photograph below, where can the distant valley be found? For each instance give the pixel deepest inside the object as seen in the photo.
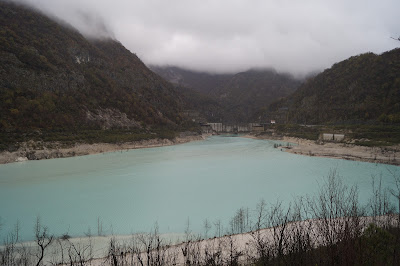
(230, 97)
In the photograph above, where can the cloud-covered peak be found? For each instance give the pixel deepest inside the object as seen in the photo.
(235, 35)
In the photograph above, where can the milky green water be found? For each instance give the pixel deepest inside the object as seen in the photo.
(130, 191)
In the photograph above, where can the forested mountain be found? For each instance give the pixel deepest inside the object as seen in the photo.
(247, 92)
(361, 89)
(53, 78)
(231, 98)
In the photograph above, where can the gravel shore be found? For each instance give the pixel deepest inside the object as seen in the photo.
(385, 155)
(55, 150)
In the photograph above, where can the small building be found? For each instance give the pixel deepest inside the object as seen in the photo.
(332, 137)
(243, 128)
(228, 128)
(206, 128)
(338, 137)
(217, 127)
(273, 122)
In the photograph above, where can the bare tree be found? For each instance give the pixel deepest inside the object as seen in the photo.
(299, 241)
(261, 215)
(17, 228)
(395, 191)
(43, 240)
(12, 252)
(337, 215)
(218, 228)
(240, 222)
(99, 227)
(143, 249)
(260, 243)
(279, 219)
(191, 247)
(58, 256)
(8, 253)
(379, 203)
(233, 252)
(213, 252)
(80, 253)
(207, 227)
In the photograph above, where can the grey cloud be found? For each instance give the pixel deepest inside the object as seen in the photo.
(234, 35)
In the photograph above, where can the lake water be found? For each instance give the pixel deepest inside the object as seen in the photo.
(130, 191)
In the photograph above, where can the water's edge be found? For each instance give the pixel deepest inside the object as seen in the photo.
(25, 152)
(343, 151)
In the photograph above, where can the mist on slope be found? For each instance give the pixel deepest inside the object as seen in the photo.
(231, 36)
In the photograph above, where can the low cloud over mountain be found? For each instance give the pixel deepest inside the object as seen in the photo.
(231, 36)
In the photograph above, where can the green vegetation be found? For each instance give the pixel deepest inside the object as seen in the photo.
(376, 246)
(207, 106)
(298, 131)
(379, 133)
(11, 141)
(369, 135)
(364, 135)
(363, 89)
(247, 92)
(55, 81)
(230, 97)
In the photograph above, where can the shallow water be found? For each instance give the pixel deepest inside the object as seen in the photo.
(130, 191)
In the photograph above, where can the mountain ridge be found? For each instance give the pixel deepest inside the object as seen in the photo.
(360, 89)
(51, 77)
(238, 96)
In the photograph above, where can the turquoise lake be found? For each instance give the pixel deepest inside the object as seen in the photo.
(130, 191)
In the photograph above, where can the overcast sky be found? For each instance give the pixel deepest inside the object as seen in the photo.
(234, 35)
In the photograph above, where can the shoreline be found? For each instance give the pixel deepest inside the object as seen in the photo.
(345, 151)
(26, 153)
(384, 155)
(95, 250)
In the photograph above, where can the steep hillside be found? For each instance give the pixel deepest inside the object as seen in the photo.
(232, 98)
(53, 79)
(197, 89)
(209, 109)
(361, 89)
(247, 92)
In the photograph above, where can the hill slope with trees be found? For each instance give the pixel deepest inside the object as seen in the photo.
(54, 79)
(247, 92)
(230, 97)
(362, 89)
